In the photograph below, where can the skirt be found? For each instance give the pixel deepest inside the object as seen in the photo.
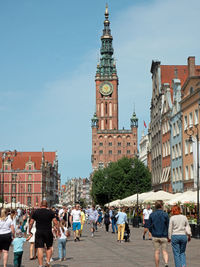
(5, 241)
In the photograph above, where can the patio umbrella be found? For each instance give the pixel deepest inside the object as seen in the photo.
(159, 195)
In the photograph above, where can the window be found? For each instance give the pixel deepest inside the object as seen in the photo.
(29, 201)
(179, 150)
(101, 165)
(128, 144)
(29, 167)
(29, 188)
(173, 152)
(119, 143)
(177, 128)
(128, 152)
(6, 167)
(177, 178)
(196, 116)
(30, 177)
(191, 147)
(191, 171)
(100, 152)
(13, 199)
(190, 120)
(185, 123)
(100, 144)
(119, 152)
(186, 147)
(180, 173)
(110, 143)
(13, 188)
(191, 90)
(186, 173)
(110, 152)
(174, 129)
(14, 177)
(176, 151)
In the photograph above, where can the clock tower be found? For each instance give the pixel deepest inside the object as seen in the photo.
(109, 143)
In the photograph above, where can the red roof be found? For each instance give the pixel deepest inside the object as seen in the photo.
(20, 160)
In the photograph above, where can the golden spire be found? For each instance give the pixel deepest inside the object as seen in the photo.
(106, 12)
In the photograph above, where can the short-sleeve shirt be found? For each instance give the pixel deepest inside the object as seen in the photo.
(43, 218)
(5, 226)
(76, 214)
(147, 213)
(18, 243)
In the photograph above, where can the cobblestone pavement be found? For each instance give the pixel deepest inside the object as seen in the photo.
(104, 251)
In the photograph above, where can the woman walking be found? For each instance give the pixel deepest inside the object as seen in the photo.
(179, 233)
(6, 232)
(62, 241)
(107, 220)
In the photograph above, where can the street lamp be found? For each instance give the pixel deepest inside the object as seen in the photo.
(191, 133)
(5, 154)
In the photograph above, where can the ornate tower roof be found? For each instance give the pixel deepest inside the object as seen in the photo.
(106, 68)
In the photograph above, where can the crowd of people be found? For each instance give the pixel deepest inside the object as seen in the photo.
(40, 227)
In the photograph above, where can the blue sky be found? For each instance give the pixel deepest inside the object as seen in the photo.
(48, 55)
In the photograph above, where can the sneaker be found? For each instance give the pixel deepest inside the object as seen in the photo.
(92, 235)
(51, 260)
(60, 260)
(64, 259)
(78, 238)
(166, 265)
(143, 237)
(74, 240)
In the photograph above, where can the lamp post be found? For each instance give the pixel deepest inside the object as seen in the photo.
(191, 133)
(5, 154)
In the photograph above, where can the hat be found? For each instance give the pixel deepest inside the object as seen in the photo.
(18, 233)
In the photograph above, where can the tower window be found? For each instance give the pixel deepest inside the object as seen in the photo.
(110, 152)
(128, 152)
(100, 152)
(128, 144)
(106, 108)
(119, 152)
(110, 143)
(100, 144)
(119, 143)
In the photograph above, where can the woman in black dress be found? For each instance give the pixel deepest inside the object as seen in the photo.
(107, 220)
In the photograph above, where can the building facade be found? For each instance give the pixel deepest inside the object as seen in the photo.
(190, 106)
(108, 142)
(143, 149)
(29, 177)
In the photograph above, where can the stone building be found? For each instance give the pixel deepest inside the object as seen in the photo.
(108, 142)
(29, 177)
(143, 148)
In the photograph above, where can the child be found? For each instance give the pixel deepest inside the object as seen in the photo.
(62, 241)
(18, 243)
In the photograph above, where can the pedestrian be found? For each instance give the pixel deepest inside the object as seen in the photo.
(100, 217)
(113, 220)
(179, 234)
(146, 214)
(82, 220)
(76, 222)
(121, 220)
(107, 220)
(6, 232)
(18, 244)
(158, 226)
(93, 217)
(43, 235)
(62, 240)
(31, 240)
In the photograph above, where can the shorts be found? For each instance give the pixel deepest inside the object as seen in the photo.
(76, 226)
(5, 241)
(160, 242)
(42, 239)
(146, 224)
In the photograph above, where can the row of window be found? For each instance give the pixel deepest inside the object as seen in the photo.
(166, 149)
(177, 174)
(175, 129)
(15, 178)
(190, 120)
(118, 144)
(14, 188)
(176, 151)
(188, 147)
(165, 127)
(119, 152)
(189, 174)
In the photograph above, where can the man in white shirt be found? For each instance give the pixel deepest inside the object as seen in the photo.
(76, 222)
(146, 214)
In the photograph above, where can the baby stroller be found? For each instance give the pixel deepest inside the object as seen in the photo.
(127, 233)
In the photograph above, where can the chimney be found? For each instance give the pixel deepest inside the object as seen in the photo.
(191, 66)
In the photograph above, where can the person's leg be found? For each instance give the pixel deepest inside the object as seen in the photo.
(116, 226)
(176, 250)
(15, 259)
(122, 231)
(5, 258)
(157, 257)
(59, 249)
(113, 228)
(164, 250)
(165, 256)
(31, 250)
(64, 248)
(40, 256)
(183, 243)
(119, 232)
(150, 235)
(49, 254)
(20, 258)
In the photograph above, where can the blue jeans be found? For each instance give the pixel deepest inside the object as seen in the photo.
(62, 248)
(114, 225)
(179, 243)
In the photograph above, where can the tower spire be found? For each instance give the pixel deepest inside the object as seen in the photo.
(106, 68)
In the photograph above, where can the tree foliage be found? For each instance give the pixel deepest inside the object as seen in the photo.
(119, 180)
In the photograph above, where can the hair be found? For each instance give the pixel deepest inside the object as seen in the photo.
(4, 214)
(176, 210)
(62, 225)
(44, 203)
(159, 204)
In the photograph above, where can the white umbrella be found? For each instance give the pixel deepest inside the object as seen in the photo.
(159, 195)
(186, 197)
(115, 203)
(128, 201)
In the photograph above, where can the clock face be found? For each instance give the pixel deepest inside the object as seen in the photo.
(106, 88)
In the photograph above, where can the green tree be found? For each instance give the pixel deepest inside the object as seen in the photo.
(119, 180)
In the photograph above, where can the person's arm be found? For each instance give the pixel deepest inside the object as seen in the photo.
(31, 225)
(188, 230)
(56, 225)
(143, 216)
(71, 218)
(12, 230)
(170, 230)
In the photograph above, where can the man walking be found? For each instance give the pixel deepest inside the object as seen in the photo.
(158, 226)
(93, 217)
(121, 220)
(76, 222)
(146, 214)
(112, 214)
(44, 235)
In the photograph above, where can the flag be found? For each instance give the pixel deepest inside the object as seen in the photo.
(145, 125)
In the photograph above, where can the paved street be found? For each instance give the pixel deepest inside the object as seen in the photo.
(104, 251)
